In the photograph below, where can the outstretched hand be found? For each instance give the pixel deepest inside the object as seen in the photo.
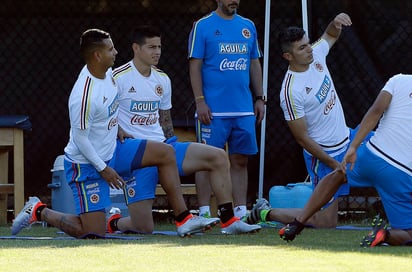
(342, 19)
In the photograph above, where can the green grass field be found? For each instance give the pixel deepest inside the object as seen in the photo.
(314, 250)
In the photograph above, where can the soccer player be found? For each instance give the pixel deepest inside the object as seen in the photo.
(145, 101)
(95, 161)
(384, 162)
(226, 78)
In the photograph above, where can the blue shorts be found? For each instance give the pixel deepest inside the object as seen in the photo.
(90, 191)
(238, 132)
(393, 185)
(318, 170)
(142, 184)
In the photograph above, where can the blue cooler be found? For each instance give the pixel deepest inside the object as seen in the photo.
(61, 194)
(293, 195)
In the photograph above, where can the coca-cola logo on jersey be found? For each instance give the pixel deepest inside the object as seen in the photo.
(144, 120)
(233, 65)
(329, 105)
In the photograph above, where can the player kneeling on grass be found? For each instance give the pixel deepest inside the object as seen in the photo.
(384, 163)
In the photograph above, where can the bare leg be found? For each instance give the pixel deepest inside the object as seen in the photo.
(327, 218)
(399, 237)
(76, 226)
(163, 156)
(203, 188)
(322, 194)
(140, 219)
(239, 175)
(214, 160)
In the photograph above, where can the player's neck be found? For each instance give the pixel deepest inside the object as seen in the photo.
(143, 69)
(97, 71)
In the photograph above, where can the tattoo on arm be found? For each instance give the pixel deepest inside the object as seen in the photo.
(165, 120)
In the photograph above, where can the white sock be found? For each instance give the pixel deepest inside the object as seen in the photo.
(204, 210)
(240, 211)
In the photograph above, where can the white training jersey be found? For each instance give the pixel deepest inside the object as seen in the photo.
(140, 100)
(312, 95)
(393, 137)
(93, 107)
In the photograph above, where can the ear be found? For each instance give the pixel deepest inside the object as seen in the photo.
(135, 47)
(288, 56)
(97, 56)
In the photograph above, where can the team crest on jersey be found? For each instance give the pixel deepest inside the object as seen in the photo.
(131, 192)
(318, 66)
(246, 33)
(218, 33)
(131, 90)
(94, 198)
(159, 90)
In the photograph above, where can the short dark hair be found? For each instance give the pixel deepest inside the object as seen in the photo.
(91, 40)
(288, 36)
(140, 33)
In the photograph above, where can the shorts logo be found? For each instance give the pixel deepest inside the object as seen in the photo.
(94, 198)
(246, 33)
(131, 192)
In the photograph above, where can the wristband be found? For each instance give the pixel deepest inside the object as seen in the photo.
(200, 97)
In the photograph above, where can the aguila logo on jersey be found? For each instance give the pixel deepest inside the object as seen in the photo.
(324, 89)
(318, 67)
(246, 33)
(233, 48)
(113, 106)
(144, 106)
(159, 90)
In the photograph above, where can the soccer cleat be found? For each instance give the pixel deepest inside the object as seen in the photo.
(114, 213)
(377, 235)
(237, 226)
(289, 232)
(258, 212)
(27, 215)
(195, 224)
(205, 215)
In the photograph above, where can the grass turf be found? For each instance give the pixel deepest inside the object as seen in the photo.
(313, 250)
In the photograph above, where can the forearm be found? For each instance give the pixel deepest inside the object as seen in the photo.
(195, 70)
(80, 137)
(256, 79)
(165, 120)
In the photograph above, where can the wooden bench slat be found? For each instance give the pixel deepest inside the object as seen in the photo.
(6, 188)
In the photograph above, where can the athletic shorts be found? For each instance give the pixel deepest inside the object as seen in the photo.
(393, 185)
(318, 170)
(238, 132)
(90, 191)
(142, 184)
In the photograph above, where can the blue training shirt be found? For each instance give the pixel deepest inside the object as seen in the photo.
(226, 47)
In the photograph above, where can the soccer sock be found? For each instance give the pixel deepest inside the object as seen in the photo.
(240, 211)
(113, 224)
(38, 210)
(225, 212)
(181, 217)
(204, 210)
(264, 215)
